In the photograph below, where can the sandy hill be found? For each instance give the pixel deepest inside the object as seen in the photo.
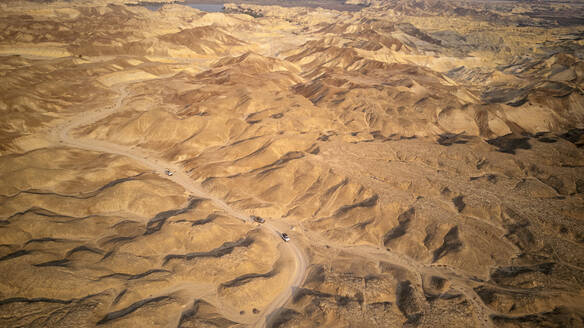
(424, 157)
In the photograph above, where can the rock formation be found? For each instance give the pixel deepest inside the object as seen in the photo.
(425, 158)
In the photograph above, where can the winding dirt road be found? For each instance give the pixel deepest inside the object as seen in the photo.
(61, 134)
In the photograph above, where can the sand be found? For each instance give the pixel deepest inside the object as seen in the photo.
(425, 159)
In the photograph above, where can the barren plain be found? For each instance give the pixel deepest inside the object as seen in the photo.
(425, 157)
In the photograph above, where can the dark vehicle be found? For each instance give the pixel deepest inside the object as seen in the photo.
(257, 219)
(285, 236)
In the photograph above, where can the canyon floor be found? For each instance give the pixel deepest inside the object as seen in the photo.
(426, 159)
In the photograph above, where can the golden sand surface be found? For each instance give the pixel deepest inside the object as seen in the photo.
(425, 157)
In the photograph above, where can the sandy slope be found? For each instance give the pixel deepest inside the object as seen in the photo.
(62, 135)
(425, 157)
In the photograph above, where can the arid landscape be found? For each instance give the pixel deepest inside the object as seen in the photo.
(425, 158)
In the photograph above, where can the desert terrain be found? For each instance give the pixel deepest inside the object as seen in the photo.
(425, 157)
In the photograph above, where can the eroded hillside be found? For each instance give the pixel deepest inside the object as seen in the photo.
(425, 158)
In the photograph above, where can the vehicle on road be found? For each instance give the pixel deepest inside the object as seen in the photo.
(168, 172)
(285, 236)
(257, 219)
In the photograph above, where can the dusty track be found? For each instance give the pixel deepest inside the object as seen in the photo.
(61, 134)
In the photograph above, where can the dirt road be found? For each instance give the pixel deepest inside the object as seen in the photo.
(61, 134)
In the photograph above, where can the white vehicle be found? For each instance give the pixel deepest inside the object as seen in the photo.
(285, 236)
(168, 172)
